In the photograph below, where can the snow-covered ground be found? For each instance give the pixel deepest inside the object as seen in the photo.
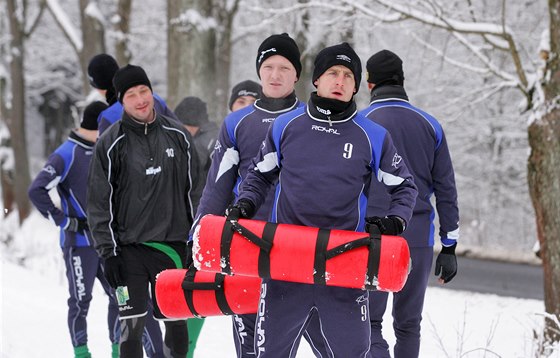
(33, 311)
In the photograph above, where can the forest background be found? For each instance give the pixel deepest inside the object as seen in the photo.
(488, 70)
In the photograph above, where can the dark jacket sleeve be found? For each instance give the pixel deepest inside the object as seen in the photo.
(100, 208)
(445, 192)
(264, 171)
(221, 179)
(47, 179)
(394, 174)
(196, 181)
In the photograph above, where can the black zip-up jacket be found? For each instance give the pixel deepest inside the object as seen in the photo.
(139, 186)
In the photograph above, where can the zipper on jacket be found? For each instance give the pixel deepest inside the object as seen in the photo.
(145, 128)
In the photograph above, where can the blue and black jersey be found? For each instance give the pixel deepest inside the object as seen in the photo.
(324, 167)
(241, 136)
(419, 137)
(66, 170)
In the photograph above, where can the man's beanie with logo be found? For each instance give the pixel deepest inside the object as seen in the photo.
(192, 111)
(341, 54)
(385, 67)
(91, 113)
(101, 69)
(127, 77)
(282, 45)
(245, 88)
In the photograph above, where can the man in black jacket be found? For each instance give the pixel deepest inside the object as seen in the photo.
(139, 207)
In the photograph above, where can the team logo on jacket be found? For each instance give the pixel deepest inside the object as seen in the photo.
(49, 169)
(396, 160)
(218, 146)
(153, 171)
(267, 120)
(324, 130)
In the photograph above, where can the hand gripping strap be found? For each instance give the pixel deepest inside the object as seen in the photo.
(265, 244)
(218, 286)
(373, 243)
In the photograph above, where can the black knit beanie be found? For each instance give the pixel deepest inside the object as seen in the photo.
(127, 77)
(282, 45)
(245, 88)
(385, 66)
(91, 113)
(101, 69)
(341, 54)
(192, 111)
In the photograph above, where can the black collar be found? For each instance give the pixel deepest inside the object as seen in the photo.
(137, 126)
(74, 136)
(331, 110)
(277, 104)
(388, 92)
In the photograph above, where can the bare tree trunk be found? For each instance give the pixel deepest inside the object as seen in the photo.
(122, 28)
(16, 120)
(191, 57)
(303, 86)
(544, 179)
(6, 176)
(8, 195)
(225, 17)
(93, 36)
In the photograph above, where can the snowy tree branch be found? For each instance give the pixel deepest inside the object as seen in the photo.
(65, 24)
(34, 22)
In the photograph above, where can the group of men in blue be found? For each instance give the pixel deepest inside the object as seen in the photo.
(320, 164)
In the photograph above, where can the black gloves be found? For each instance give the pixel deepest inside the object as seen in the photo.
(77, 225)
(446, 264)
(115, 271)
(392, 225)
(243, 209)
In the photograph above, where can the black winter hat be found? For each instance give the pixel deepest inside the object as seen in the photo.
(192, 111)
(245, 88)
(101, 69)
(127, 77)
(91, 113)
(341, 54)
(282, 45)
(384, 66)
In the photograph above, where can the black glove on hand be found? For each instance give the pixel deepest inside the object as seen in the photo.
(392, 225)
(243, 209)
(115, 271)
(77, 225)
(446, 264)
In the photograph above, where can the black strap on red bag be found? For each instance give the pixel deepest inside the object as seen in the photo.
(372, 242)
(217, 286)
(265, 244)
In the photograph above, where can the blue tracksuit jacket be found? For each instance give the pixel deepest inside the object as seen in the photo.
(66, 169)
(241, 136)
(324, 168)
(420, 139)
